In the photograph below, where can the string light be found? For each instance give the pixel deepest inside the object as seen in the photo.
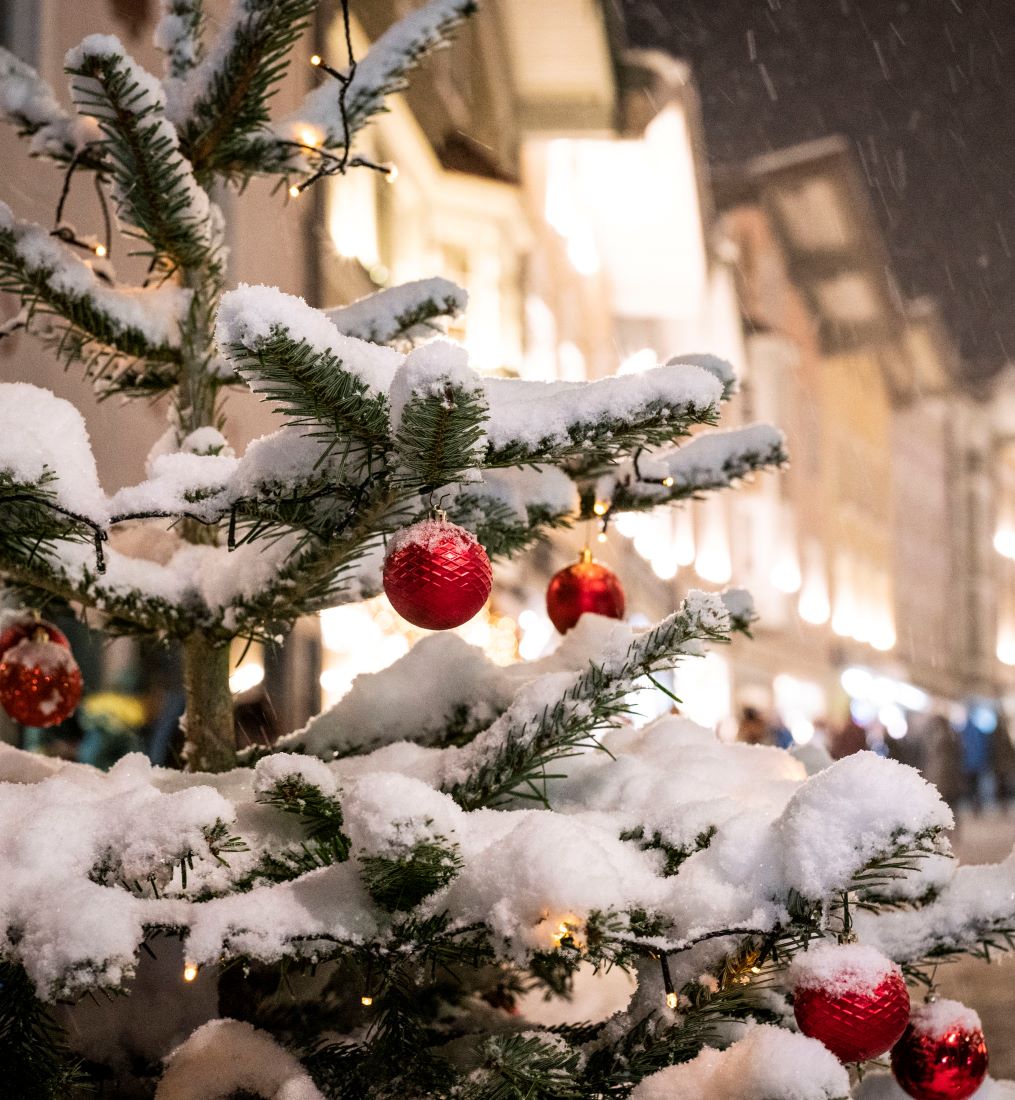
(601, 537)
(366, 1000)
(100, 250)
(392, 173)
(295, 190)
(601, 507)
(668, 482)
(190, 972)
(671, 1000)
(316, 60)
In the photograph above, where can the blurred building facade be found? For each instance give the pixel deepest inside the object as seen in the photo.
(560, 178)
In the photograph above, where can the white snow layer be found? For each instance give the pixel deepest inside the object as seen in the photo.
(768, 1062)
(154, 313)
(841, 968)
(251, 315)
(27, 101)
(223, 1057)
(538, 413)
(392, 313)
(882, 1086)
(147, 98)
(381, 71)
(41, 433)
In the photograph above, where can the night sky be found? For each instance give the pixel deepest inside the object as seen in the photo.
(926, 92)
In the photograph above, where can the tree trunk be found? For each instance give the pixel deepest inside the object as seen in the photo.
(211, 744)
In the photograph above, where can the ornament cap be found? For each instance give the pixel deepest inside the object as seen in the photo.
(585, 557)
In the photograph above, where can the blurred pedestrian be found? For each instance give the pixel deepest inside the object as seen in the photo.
(753, 729)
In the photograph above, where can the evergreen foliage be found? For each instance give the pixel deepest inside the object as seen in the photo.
(334, 925)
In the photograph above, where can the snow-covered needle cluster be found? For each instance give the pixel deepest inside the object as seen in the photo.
(360, 911)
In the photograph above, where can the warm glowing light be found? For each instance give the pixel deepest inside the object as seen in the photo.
(366, 1001)
(1004, 542)
(813, 606)
(190, 972)
(668, 482)
(671, 1000)
(844, 621)
(309, 135)
(601, 537)
(638, 361)
(712, 562)
(316, 60)
(683, 537)
(601, 507)
(247, 676)
(100, 250)
(785, 573)
(1006, 645)
(294, 191)
(392, 173)
(664, 565)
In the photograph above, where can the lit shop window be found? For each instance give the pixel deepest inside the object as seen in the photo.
(814, 606)
(367, 637)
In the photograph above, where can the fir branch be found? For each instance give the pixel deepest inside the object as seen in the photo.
(511, 759)
(312, 388)
(105, 328)
(437, 437)
(157, 198)
(402, 882)
(179, 34)
(400, 314)
(33, 1052)
(515, 1067)
(594, 444)
(343, 107)
(238, 79)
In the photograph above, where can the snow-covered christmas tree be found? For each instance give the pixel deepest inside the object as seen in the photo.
(358, 911)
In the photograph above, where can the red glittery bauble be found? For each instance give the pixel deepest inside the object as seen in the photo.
(584, 586)
(40, 683)
(436, 575)
(931, 1063)
(25, 626)
(855, 1026)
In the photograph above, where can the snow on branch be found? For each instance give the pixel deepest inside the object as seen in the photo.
(438, 412)
(127, 337)
(224, 101)
(156, 195)
(381, 72)
(292, 356)
(558, 716)
(591, 422)
(974, 911)
(714, 460)
(401, 314)
(27, 102)
(225, 1057)
(178, 35)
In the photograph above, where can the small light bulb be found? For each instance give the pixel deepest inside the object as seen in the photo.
(392, 173)
(366, 1001)
(668, 482)
(316, 60)
(671, 1000)
(190, 972)
(100, 250)
(601, 507)
(601, 537)
(295, 191)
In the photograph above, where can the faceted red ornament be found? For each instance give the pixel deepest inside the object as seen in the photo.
(855, 1026)
(942, 1055)
(40, 682)
(25, 626)
(436, 574)
(584, 586)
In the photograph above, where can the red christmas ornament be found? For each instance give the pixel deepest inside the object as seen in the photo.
(25, 626)
(851, 998)
(942, 1054)
(584, 586)
(40, 682)
(436, 574)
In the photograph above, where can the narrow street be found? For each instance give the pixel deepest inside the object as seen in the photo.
(990, 989)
